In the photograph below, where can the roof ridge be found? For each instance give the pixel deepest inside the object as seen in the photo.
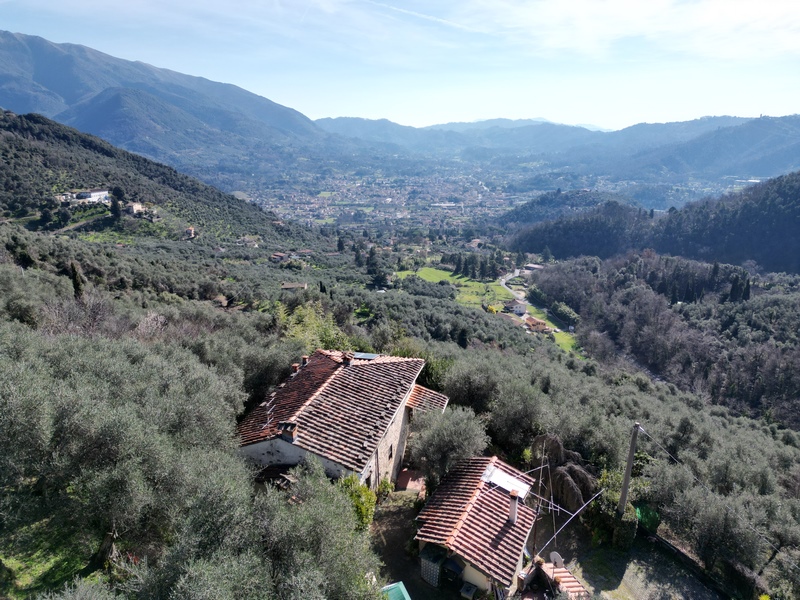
(318, 392)
(468, 506)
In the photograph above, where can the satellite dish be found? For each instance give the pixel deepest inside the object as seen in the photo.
(556, 559)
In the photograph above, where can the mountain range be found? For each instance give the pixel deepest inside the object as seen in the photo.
(235, 139)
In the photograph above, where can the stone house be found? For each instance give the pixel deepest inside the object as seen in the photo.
(351, 411)
(476, 525)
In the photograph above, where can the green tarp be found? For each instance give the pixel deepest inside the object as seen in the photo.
(396, 591)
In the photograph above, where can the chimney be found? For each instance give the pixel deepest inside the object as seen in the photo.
(512, 507)
(288, 431)
(303, 360)
(295, 367)
(347, 359)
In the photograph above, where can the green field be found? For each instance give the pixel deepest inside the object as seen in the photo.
(476, 294)
(564, 340)
(470, 292)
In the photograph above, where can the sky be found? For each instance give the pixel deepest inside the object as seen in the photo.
(606, 63)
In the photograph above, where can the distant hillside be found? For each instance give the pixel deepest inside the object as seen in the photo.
(531, 135)
(235, 140)
(42, 158)
(761, 223)
(190, 122)
(536, 137)
(762, 147)
(50, 78)
(552, 205)
(709, 153)
(487, 123)
(386, 132)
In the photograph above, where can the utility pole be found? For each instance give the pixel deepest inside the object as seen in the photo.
(623, 498)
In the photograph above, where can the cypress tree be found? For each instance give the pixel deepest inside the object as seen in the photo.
(77, 280)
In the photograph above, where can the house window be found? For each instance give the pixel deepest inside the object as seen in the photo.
(391, 450)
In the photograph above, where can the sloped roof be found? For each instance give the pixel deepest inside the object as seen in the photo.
(515, 302)
(469, 516)
(424, 399)
(341, 411)
(568, 582)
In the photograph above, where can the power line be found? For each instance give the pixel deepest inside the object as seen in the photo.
(727, 506)
(588, 502)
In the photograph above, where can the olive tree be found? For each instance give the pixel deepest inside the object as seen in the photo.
(440, 440)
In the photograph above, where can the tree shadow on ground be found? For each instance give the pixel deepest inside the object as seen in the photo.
(392, 537)
(39, 558)
(647, 572)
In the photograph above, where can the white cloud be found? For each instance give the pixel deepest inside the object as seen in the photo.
(707, 28)
(405, 59)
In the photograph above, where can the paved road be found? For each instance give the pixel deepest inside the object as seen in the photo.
(517, 294)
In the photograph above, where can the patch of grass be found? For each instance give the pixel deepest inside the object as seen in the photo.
(566, 341)
(470, 292)
(41, 559)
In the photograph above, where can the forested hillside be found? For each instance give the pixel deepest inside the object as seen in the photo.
(42, 158)
(760, 223)
(552, 205)
(717, 330)
(116, 356)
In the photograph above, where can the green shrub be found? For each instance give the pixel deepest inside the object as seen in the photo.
(363, 499)
(603, 519)
(385, 487)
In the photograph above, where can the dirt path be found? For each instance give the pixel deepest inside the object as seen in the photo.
(646, 573)
(392, 531)
(79, 224)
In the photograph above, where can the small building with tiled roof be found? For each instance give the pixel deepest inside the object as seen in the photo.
(423, 399)
(537, 325)
(518, 307)
(351, 411)
(479, 517)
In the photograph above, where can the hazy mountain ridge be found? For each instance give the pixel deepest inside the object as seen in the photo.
(237, 140)
(759, 147)
(487, 123)
(383, 131)
(535, 136)
(74, 73)
(190, 122)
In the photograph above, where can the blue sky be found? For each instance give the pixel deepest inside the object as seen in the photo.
(610, 63)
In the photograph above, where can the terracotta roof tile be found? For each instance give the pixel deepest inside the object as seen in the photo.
(469, 516)
(424, 399)
(342, 411)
